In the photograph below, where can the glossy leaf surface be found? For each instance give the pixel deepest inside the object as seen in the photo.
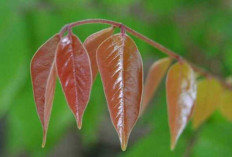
(208, 99)
(181, 95)
(91, 44)
(155, 75)
(226, 104)
(120, 67)
(74, 71)
(43, 74)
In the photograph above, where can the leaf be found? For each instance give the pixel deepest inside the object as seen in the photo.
(226, 104)
(74, 71)
(120, 67)
(43, 75)
(155, 75)
(92, 43)
(181, 94)
(208, 99)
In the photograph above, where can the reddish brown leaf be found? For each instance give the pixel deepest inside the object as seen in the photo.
(155, 75)
(92, 43)
(43, 74)
(120, 67)
(74, 71)
(181, 95)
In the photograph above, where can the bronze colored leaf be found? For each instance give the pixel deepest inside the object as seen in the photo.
(43, 74)
(91, 44)
(226, 104)
(208, 99)
(155, 75)
(120, 67)
(181, 95)
(74, 71)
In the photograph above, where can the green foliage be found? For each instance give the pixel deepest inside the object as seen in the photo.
(23, 126)
(12, 58)
(215, 137)
(92, 116)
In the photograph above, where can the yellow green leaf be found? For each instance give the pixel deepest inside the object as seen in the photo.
(208, 98)
(226, 104)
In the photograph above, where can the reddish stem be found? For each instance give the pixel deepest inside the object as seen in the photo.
(160, 47)
(123, 30)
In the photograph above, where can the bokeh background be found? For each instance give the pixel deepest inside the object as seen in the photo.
(200, 30)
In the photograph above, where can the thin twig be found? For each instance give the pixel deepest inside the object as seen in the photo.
(149, 41)
(192, 141)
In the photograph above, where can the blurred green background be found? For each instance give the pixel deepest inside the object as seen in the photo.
(200, 30)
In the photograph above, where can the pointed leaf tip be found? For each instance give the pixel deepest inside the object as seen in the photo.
(79, 124)
(44, 138)
(123, 141)
(123, 147)
(181, 95)
(172, 146)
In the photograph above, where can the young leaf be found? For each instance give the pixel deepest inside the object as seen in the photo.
(155, 75)
(74, 71)
(120, 67)
(43, 74)
(208, 99)
(226, 104)
(91, 44)
(181, 94)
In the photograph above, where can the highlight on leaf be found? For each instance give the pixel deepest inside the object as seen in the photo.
(74, 71)
(209, 91)
(225, 105)
(181, 95)
(43, 75)
(91, 44)
(121, 71)
(154, 77)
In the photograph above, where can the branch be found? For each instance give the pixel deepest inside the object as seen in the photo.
(192, 141)
(158, 46)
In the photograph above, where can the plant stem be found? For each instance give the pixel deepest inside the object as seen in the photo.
(192, 141)
(158, 46)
